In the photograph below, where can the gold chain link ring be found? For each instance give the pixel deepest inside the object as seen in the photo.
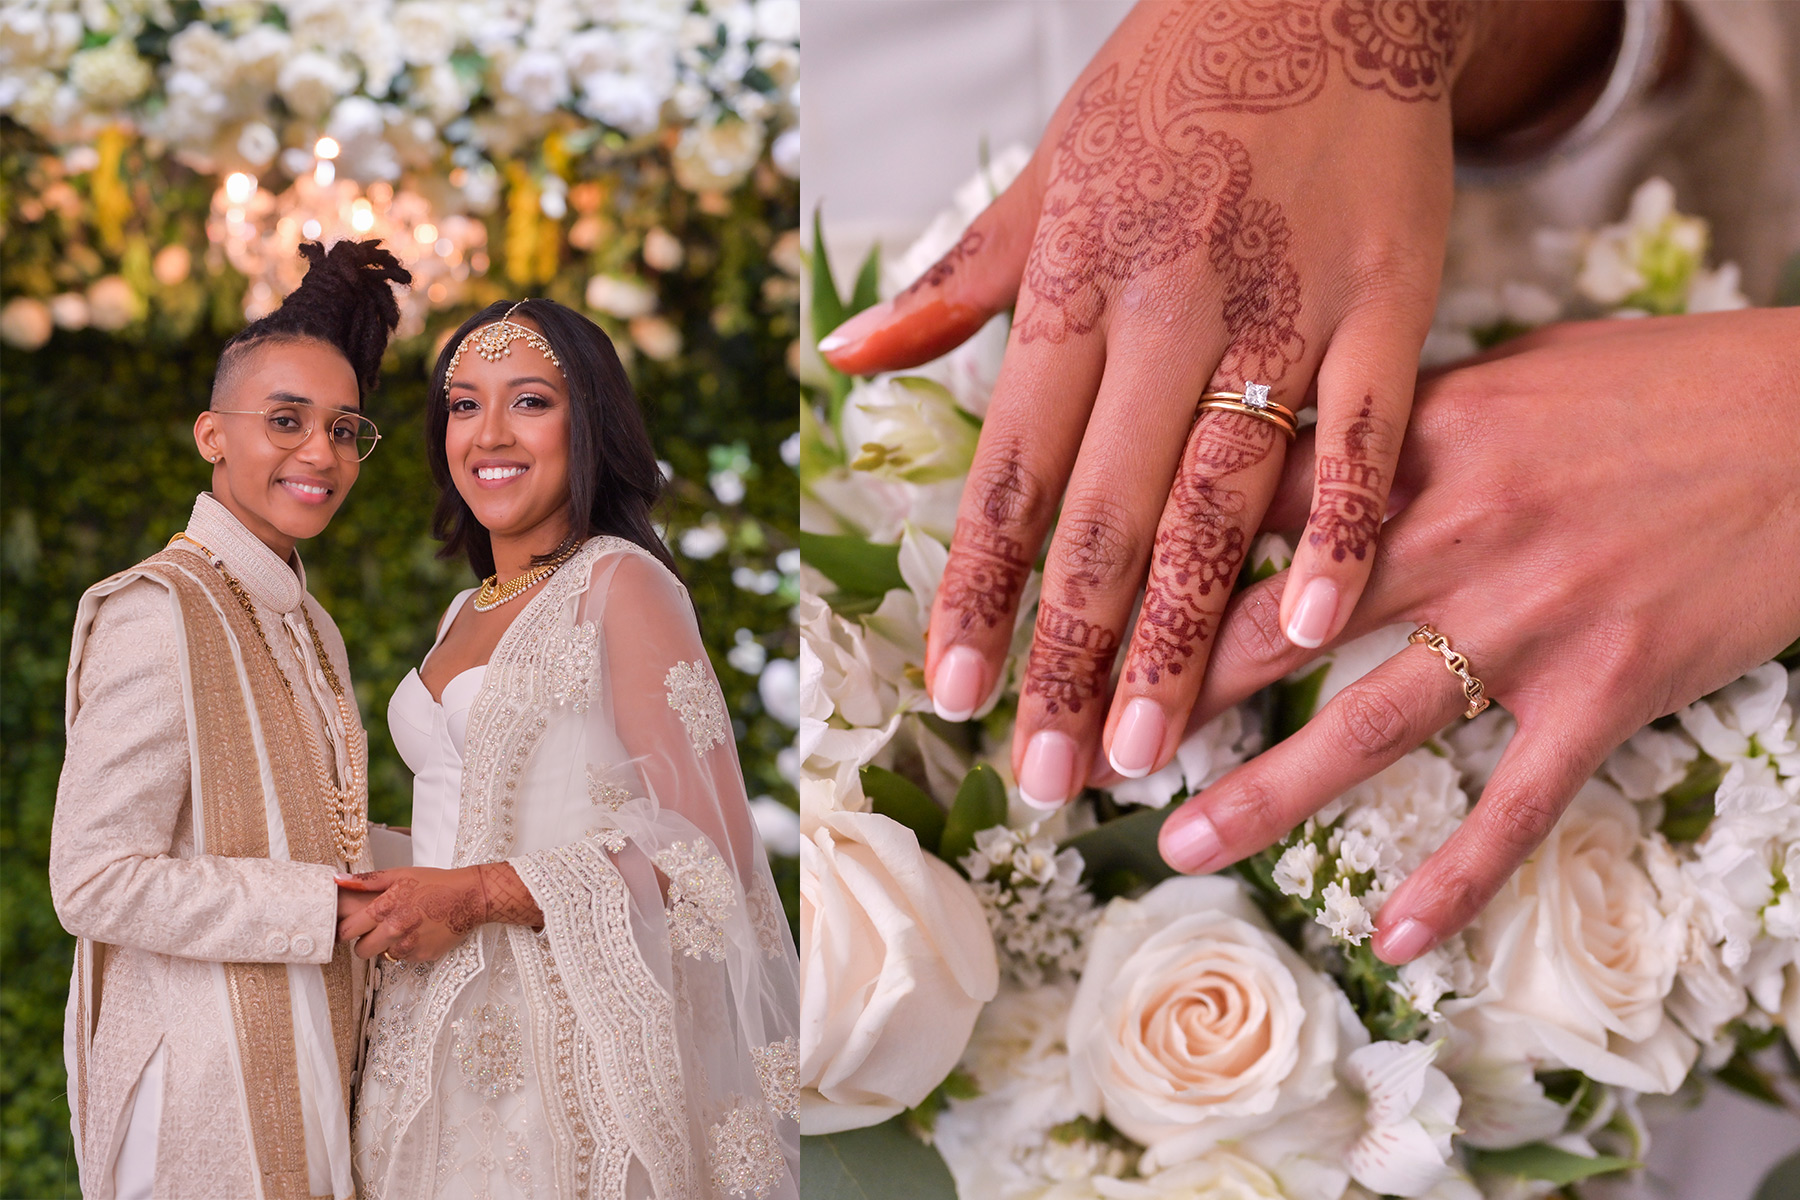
(1474, 691)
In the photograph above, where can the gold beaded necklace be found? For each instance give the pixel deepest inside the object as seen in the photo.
(347, 804)
(493, 593)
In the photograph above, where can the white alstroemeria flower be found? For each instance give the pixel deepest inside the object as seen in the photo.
(1716, 291)
(1653, 254)
(1754, 707)
(1503, 1104)
(1650, 763)
(909, 429)
(1404, 1148)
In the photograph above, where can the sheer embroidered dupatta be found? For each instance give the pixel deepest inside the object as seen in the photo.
(641, 1044)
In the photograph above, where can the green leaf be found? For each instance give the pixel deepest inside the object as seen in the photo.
(980, 804)
(868, 282)
(900, 799)
(827, 304)
(1296, 700)
(1741, 1074)
(882, 1162)
(1540, 1161)
(1126, 845)
(859, 567)
(1688, 806)
(1782, 1182)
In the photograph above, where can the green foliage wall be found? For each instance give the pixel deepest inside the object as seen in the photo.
(99, 468)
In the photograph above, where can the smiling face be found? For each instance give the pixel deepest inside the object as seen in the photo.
(281, 495)
(507, 443)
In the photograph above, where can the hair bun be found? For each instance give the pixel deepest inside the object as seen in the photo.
(346, 300)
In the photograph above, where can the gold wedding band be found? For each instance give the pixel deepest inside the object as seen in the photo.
(1253, 401)
(1473, 689)
(389, 955)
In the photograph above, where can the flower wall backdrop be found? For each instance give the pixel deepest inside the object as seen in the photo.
(1003, 1005)
(159, 164)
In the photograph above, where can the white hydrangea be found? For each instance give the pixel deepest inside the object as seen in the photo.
(1038, 911)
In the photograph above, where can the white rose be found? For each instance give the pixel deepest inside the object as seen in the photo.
(426, 31)
(539, 79)
(203, 50)
(327, 23)
(70, 310)
(258, 144)
(110, 76)
(625, 100)
(1580, 956)
(1195, 1025)
(779, 687)
(620, 296)
(112, 304)
(717, 157)
(25, 322)
(259, 55)
(311, 83)
(897, 964)
(784, 152)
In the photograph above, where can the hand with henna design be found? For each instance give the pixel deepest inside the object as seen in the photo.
(422, 913)
(1234, 190)
(1603, 542)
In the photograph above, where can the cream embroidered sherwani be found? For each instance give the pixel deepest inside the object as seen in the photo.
(183, 866)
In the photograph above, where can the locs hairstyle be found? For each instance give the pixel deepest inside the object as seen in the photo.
(614, 482)
(344, 301)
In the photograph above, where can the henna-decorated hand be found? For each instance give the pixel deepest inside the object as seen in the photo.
(422, 913)
(1605, 519)
(1234, 190)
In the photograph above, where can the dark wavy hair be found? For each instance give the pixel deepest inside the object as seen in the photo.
(614, 480)
(345, 301)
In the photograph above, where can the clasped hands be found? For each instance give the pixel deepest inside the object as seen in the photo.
(422, 913)
(1602, 517)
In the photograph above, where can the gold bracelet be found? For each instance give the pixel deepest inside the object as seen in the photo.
(1473, 689)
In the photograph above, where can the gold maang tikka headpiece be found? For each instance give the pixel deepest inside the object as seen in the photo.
(495, 342)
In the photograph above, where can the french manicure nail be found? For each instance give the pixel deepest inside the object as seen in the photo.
(956, 690)
(857, 328)
(1191, 844)
(1311, 623)
(1406, 941)
(1138, 739)
(1047, 776)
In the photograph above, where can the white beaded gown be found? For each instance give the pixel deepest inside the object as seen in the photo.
(643, 1043)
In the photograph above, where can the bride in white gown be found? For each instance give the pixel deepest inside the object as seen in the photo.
(588, 987)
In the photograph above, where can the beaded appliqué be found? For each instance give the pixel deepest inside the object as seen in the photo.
(766, 918)
(693, 695)
(746, 1155)
(701, 895)
(569, 657)
(605, 793)
(778, 1072)
(490, 1049)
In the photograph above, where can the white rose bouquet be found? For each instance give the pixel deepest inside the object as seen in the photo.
(1000, 1004)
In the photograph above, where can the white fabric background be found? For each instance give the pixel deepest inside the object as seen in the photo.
(900, 95)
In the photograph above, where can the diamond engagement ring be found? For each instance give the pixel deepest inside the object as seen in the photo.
(1253, 401)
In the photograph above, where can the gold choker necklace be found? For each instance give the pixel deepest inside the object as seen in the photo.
(493, 593)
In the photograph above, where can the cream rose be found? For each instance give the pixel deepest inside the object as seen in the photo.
(1580, 956)
(897, 962)
(1195, 1025)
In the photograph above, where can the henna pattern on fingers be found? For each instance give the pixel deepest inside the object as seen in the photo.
(1070, 659)
(1200, 546)
(939, 272)
(408, 904)
(1347, 510)
(988, 567)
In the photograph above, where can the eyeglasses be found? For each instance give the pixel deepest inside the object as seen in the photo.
(352, 435)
